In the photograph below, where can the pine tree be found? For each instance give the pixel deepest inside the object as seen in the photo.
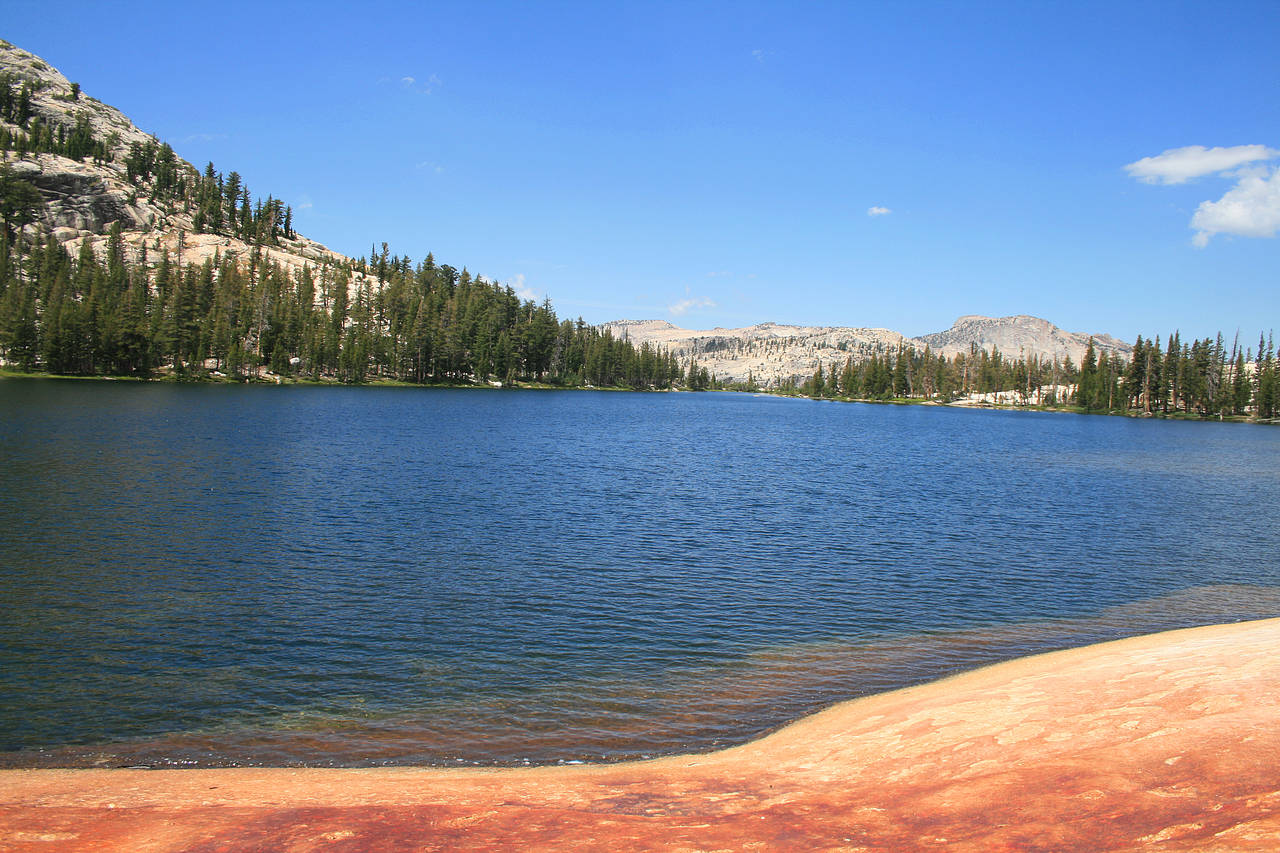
(1087, 387)
(20, 202)
(1240, 387)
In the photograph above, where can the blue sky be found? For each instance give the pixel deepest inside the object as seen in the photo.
(862, 164)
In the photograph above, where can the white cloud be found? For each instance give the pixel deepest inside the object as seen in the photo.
(684, 306)
(878, 211)
(516, 283)
(427, 165)
(1249, 209)
(718, 274)
(1179, 165)
(761, 55)
(413, 84)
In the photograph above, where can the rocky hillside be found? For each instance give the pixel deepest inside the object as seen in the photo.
(1019, 335)
(84, 196)
(769, 352)
(765, 352)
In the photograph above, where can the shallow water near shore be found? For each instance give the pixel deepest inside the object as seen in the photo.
(330, 576)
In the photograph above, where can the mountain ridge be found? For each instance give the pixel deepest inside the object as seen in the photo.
(772, 352)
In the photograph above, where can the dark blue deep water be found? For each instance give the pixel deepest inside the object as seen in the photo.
(304, 575)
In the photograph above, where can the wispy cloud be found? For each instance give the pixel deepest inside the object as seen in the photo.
(204, 137)
(1251, 208)
(719, 274)
(689, 303)
(1179, 165)
(428, 166)
(878, 211)
(426, 87)
(412, 84)
(761, 56)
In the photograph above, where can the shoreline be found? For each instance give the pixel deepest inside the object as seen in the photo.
(1162, 741)
(291, 381)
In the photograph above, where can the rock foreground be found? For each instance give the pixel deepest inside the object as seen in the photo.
(1163, 742)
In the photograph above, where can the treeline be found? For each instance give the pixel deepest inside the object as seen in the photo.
(1201, 377)
(910, 374)
(390, 318)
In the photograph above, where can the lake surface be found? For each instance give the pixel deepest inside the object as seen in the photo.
(358, 576)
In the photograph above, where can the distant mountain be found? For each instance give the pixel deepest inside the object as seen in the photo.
(766, 352)
(1019, 335)
(769, 352)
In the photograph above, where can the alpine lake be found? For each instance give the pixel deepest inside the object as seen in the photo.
(202, 575)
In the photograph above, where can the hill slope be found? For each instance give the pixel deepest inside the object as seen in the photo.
(85, 195)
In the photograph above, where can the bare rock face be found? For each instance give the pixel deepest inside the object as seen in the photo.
(82, 198)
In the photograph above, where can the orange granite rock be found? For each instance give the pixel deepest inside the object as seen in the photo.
(1165, 742)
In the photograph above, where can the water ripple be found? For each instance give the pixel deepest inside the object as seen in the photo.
(369, 576)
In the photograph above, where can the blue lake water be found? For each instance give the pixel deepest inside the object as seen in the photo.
(357, 576)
